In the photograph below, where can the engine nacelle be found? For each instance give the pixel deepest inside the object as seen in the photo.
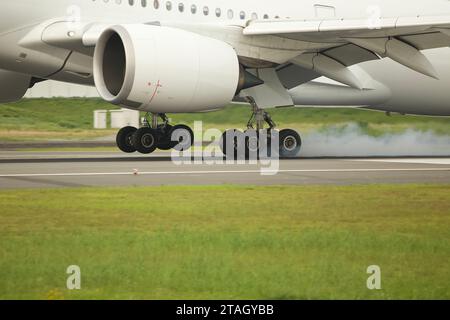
(13, 86)
(161, 69)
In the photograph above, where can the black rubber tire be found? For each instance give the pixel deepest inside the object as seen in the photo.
(290, 143)
(255, 148)
(251, 137)
(145, 140)
(238, 150)
(180, 131)
(124, 139)
(165, 143)
(269, 149)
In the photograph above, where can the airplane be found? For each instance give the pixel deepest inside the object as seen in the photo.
(188, 56)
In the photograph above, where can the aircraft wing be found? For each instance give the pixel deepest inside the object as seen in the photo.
(355, 41)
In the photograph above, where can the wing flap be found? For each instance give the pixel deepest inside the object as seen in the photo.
(350, 54)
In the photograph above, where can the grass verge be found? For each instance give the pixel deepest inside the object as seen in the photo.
(226, 242)
(72, 119)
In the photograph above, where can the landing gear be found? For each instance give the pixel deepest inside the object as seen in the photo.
(155, 136)
(232, 144)
(165, 142)
(124, 139)
(259, 142)
(290, 143)
(145, 140)
(164, 131)
(182, 137)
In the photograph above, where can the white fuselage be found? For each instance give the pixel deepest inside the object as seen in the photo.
(411, 92)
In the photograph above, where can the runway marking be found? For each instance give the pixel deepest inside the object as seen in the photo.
(88, 174)
(411, 161)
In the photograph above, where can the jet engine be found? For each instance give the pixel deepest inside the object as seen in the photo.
(161, 69)
(13, 86)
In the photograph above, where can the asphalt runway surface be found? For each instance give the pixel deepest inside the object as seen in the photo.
(79, 169)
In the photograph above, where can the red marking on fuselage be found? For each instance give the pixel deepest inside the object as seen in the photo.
(158, 85)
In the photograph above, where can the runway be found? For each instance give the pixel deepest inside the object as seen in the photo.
(81, 169)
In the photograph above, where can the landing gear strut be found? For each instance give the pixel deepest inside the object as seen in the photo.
(257, 141)
(154, 135)
(259, 116)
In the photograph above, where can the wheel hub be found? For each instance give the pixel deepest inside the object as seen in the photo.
(290, 143)
(129, 140)
(253, 144)
(183, 137)
(148, 140)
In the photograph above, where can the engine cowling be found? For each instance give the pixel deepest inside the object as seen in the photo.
(13, 86)
(161, 69)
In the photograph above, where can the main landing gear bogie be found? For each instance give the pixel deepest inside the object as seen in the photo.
(258, 142)
(265, 143)
(155, 136)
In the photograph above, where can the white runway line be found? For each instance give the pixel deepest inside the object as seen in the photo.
(444, 161)
(207, 172)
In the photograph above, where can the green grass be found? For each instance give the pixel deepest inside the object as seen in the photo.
(226, 242)
(41, 119)
(51, 114)
(44, 119)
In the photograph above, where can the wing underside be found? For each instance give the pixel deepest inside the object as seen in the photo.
(354, 41)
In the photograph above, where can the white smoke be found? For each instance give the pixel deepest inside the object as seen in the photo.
(352, 141)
